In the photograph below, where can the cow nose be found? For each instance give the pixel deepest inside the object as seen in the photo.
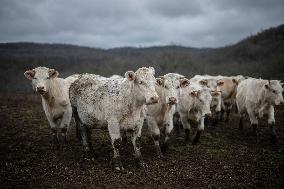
(40, 89)
(208, 114)
(154, 99)
(172, 100)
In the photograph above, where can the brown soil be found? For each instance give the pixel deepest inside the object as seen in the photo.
(224, 158)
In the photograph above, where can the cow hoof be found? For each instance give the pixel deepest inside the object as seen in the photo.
(165, 147)
(117, 164)
(119, 168)
(159, 153)
(142, 164)
(254, 134)
(273, 139)
(194, 142)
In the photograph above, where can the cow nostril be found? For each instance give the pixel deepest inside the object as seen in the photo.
(154, 99)
(40, 88)
(208, 114)
(172, 99)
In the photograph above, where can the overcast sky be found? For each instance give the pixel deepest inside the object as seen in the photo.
(116, 23)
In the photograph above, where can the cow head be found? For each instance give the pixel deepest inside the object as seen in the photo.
(41, 77)
(202, 100)
(216, 100)
(144, 84)
(169, 88)
(274, 92)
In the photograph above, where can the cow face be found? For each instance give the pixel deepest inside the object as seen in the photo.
(209, 83)
(41, 77)
(169, 89)
(202, 99)
(144, 84)
(274, 92)
(216, 100)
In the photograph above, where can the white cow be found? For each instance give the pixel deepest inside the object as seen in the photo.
(228, 87)
(161, 114)
(54, 93)
(194, 104)
(117, 102)
(258, 97)
(210, 82)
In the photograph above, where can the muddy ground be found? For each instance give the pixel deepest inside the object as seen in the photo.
(224, 158)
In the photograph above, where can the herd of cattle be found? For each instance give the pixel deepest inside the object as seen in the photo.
(123, 103)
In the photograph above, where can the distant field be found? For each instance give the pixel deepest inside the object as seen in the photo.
(225, 156)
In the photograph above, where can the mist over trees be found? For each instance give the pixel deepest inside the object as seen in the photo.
(260, 55)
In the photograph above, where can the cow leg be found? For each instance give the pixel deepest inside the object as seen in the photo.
(168, 130)
(155, 133)
(177, 124)
(253, 121)
(271, 123)
(177, 130)
(65, 123)
(64, 135)
(77, 122)
(84, 136)
(228, 111)
(124, 137)
(187, 128)
(222, 114)
(241, 123)
(114, 132)
(215, 119)
(199, 131)
(55, 138)
(135, 137)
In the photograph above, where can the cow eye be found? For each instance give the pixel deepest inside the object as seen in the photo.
(140, 82)
(177, 87)
(35, 77)
(274, 91)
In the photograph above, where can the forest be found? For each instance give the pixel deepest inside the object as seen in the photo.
(259, 55)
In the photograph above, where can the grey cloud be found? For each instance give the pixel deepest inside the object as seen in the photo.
(112, 23)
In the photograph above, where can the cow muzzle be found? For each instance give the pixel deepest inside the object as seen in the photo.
(153, 100)
(208, 114)
(41, 90)
(172, 100)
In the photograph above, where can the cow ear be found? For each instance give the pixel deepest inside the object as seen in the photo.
(53, 73)
(194, 93)
(30, 74)
(130, 75)
(160, 81)
(184, 82)
(152, 70)
(220, 83)
(214, 93)
(203, 82)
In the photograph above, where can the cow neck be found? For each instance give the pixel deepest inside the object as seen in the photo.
(128, 95)
(53, 91)
(262, 101)
(233, 92)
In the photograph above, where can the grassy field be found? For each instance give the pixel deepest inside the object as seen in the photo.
(225, 156)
